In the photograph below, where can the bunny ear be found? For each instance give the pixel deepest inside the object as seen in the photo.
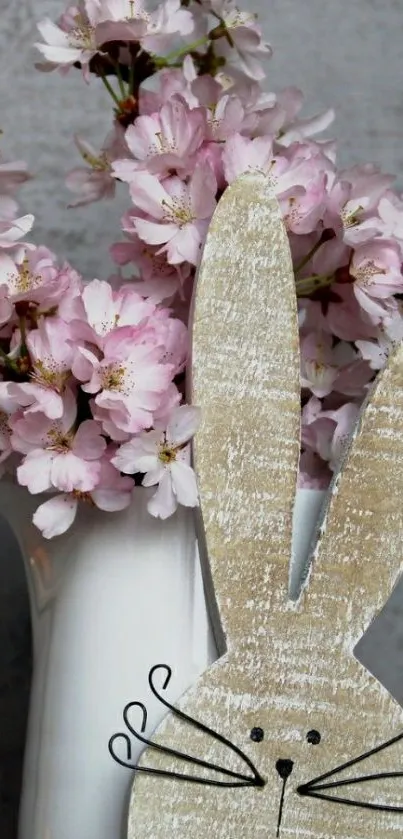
(358, 556)
(245, 368)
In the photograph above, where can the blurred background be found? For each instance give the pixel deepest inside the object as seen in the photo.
(346, 54)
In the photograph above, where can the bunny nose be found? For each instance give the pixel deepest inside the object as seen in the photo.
(284, 768)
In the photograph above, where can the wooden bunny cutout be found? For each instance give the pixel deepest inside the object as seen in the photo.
(286, 734)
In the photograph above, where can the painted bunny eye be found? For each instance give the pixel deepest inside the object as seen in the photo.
(313, 737)
(257, 735)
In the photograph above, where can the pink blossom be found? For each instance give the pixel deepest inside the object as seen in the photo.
(328, 434)
(129, 380)
(303, 209)
(75, 43)
(355, 374)
(170, 400)
(112, 493)
(242, 154)
(285, 176)
(129, 17)
(390, 211)
(318, 373)
(225, 111)
(178, 213)
(158, 279)
(96, 182)
(123, 20)
(246, 39)
(150, 262)
(103, 310)
(71, 283)
(327, 367)
(211, 155)
(172, 334)
(298, 180)
(331, 256)
(169, 82)
(51, 356)
(376, 268)
(344, 316)
(163, 141)
(168, 19)
(289, 102)
(233, 80)
(163, 455)
(109, 427)
(57, 454)
(388, 337)
(353, 196)
(163, 290)
(34, 277)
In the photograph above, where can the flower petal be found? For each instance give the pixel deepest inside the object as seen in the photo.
(88, 442)
(55, 516)
(35, 471)
(163, 503)
(154, 233)
(70, 472)
(183, 424)
(154, 476)
(111, 500)
(52, 34)
(184, 484)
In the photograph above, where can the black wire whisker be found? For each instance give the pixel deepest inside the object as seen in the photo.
(240, 780)
(360, 779)
(367, 805)
(352, 762)
(315, 787)
(199, 725)
(174, 752)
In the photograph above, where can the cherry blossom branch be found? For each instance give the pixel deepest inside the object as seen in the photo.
(110, 90)
(180, 53)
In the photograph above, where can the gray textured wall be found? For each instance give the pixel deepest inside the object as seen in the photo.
(347, 54)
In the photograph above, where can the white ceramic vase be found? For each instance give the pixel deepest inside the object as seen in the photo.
(114, 596)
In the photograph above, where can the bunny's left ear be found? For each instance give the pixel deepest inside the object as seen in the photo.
(245, 377)
(359, 551)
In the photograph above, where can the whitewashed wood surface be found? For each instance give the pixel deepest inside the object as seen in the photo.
(345, 54)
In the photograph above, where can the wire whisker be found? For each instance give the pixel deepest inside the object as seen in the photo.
(315, 787)
(240, 780)
(196, 724)
(174, 753)
(361, 779)
(307, 791)
(354, 761)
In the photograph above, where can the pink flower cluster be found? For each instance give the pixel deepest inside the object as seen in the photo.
(190, 115)
(86, 371)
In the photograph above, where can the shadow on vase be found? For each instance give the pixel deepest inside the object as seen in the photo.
(15, 677)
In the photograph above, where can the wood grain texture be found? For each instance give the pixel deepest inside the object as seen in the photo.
(287, 669)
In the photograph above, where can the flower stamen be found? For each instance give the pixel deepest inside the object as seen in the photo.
(82, 36)
(50, 377)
